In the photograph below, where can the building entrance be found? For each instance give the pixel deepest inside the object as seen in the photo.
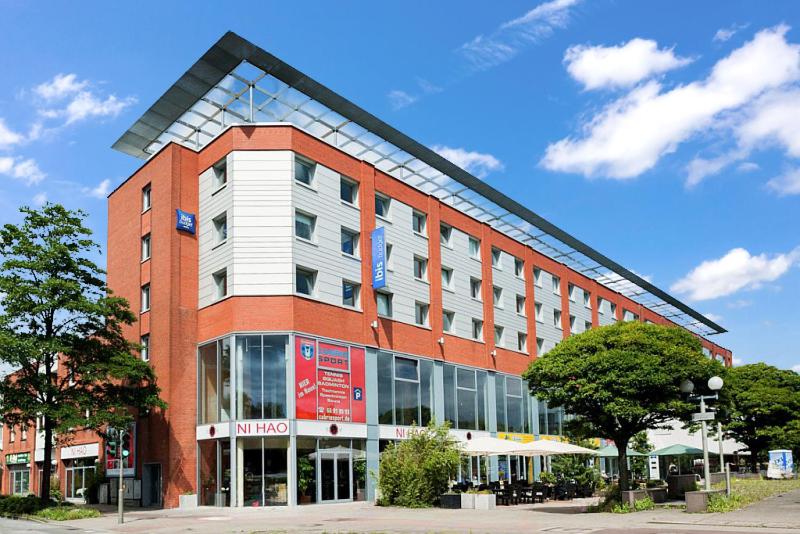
(335, 467)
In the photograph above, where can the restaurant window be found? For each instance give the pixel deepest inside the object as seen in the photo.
(78, 476)
(465, 400)
(512, 404)
(261, 376)
(215, 382)
(405, 390)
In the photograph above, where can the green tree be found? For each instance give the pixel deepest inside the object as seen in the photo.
(622, 379)
(61, 334)
(415, 471)
(764, 408)
(639, 464)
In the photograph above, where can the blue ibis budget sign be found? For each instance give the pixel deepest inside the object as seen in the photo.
(185, 221)
(378, 258)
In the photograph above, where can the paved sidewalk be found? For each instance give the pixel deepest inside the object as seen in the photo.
(776, 515)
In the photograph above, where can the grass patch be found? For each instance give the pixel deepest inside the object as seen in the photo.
(747, 491)
(67, 513)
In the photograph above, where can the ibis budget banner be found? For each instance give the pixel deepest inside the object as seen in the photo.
(378, 258)
(185, 221)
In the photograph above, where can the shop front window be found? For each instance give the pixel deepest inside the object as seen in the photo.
(20, 480)
(263, 471)
(78, 476)
(261, 376)
(215, 382)
(215, 472)
(465, 397)
(405, 392)
(512, 401)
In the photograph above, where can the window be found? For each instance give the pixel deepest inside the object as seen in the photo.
(384, 301)
(572, 325)
(145, 343)
(23, 434)
(556, 285)
(477, 329)
(348, 191)
(420, 268)
(220, 171)
(520, 305)
(389, 262)
(474, 248)
(587, 300)
(349, 242)
(145, 297)
(146, 198)
(303, 171)
(146, 247)
(475, 288)
(304, 225)
(405, 390)
(447, 278)
(499, 335)
(628, 315)
(448, 321)
(497, 258)
(350, 293)
(260, 376)
(382, 206)
(20, 479)
(465, 397)
(613, 310)
(305, 280)
(214, 384)
(220, 229)
(445, 235)
(537, 277)
(12, 434)
(557, 318)
(537, 310)
(572, 291)
(512, 404)
(522, 341)
(587, 325)
(221, 283)
(418, 222)
(519, 268)
(497, 296)
(539, 346)
(421, 313)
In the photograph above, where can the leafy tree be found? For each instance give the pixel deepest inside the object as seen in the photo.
(61, 334)
(622, 379)
(764, 409)
(415, 471)
(640, 443)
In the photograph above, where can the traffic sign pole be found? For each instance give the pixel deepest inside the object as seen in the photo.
(121, 493)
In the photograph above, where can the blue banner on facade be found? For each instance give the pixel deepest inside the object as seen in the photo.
(378, 258)
(185, 221)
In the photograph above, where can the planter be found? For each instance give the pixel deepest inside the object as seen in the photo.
(658, 495)
(630, 497)
(468, 501)
(187, 501)
(677, 485)
(697, 501)
(450, 500)
(485, 501)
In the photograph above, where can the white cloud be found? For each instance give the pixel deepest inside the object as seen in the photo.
(796, 368)
(773, 119)
(26, 170)
(40, 199)
(748, 166)
(699, 168)
(713, 317)
(477, 163)
(400, 99)
(739, 304)
(723, 34)
(601, 67)
(61, 86)
(631, 134)
(509, 38)
(86, 104)
(737, 361)
(8, 137)
(787, 183)
(734, 271)
(100, 191)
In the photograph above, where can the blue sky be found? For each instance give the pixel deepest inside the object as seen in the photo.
(666, 135)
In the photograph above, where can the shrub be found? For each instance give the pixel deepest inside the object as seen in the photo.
(547, 477)
(644, 504)
(414, 472)
(67, 513)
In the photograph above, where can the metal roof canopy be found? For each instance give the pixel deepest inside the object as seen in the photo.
(236, 82)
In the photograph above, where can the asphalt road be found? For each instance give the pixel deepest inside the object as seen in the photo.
(14, 526)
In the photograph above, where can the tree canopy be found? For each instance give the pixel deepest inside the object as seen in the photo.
(764, 408)
(622, 379)
(61, 334)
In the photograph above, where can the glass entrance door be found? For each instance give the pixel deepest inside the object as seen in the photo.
(335, 467)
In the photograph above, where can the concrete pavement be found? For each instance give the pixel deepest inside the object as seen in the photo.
(776, 515)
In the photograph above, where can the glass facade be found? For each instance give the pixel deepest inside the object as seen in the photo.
(261, 376)
(405, 390)
(214, 382)
(78, 473)
(512, 402)
(465, 397)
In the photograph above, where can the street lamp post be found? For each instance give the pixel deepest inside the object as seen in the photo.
(714, 384)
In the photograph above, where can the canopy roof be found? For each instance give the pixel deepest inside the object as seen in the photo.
(236, 82)
(610, 451)
(677, 450)
(546, 447)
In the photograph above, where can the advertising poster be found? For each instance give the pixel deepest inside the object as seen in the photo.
(329, 381)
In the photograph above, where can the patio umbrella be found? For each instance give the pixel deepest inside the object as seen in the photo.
(545, 447)
(489, 446)
(610, 451)
(677, 450)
